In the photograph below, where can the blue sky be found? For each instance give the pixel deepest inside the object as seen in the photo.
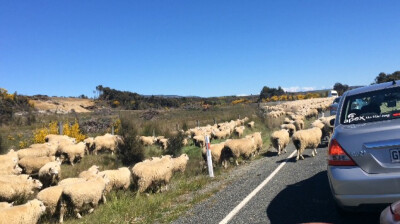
(202, 48)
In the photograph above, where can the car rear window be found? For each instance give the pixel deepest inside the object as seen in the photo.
(336, 100)
(371, 106)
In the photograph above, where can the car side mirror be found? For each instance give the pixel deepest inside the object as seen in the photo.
(332, 122)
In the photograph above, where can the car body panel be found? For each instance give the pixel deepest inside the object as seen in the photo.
(371, 144)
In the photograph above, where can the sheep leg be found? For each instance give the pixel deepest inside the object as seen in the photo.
(77, 213)
(312, 153)
(302, 157)
(279, 150)
(298, 155)
(62, 212)
(236, 162)
(315, 151)
(104, 198)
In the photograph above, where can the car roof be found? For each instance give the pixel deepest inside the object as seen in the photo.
(373, 87)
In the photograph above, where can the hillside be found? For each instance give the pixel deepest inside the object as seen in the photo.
(63, 105)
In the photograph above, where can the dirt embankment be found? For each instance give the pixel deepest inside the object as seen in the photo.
(63, 105)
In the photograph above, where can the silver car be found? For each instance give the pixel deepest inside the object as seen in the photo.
(364, 151)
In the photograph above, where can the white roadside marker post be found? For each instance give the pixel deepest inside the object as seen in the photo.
(209, 160)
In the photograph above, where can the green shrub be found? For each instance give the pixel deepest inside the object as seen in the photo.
(175, 145)
(131, 151)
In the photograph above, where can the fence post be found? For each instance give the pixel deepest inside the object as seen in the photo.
(154, 133)
(198, 123)
(215, 121)
(209, 160)
(112, 130)
(60, 127)
(239, 116)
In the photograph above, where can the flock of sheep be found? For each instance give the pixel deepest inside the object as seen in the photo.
(24, 172)
(293, 127)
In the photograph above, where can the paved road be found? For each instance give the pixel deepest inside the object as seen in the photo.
(299, 193)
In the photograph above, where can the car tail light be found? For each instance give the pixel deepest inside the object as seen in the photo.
(337, 156)
(395, 210)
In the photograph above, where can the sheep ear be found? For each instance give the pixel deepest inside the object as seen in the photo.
(104, 175)
(12, 203)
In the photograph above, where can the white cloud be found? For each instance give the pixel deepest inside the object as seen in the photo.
(243, 94)
(298, 89)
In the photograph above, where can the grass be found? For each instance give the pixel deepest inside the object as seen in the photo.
(185, 189)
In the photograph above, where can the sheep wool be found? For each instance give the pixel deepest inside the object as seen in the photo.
(152, 172)
(299, 124)
(180, 163)
(280, 139)
(119, 179)
(28, 213)
(73, 151)
(50, 173)
(32, 165)
(11, 190)
(238, 147)
(50, 197)
(5, 205)
(78, 195)
(216, 150)
(258, 140)
(307, 139)
(290, 127)
(107, 142)
(147, 140)
(93, 171)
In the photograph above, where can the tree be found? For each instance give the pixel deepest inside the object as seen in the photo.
(383, 77)
(340, 88)
(267, 92)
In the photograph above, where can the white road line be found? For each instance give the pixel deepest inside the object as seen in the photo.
(254, 192)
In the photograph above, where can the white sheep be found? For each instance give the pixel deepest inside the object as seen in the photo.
(180, 163)
(257, 139)
(280, 139)
(28, 213)
(290, 127)
(80, 194)
(309, 138)
(33, 152)
(107, 142)
(71, 152)
(93, 171)
(238, 147)
(119, 179)
(312, 113)
(89, 144)
(147, 140)
(153, 172)
(217, 134)
(18, 188)
(215, 150)
(9, 163)
(250, 124)
(299, 124)
(50, 173)
(239, 130)
(163, 142)
(199, 141)
(32, 165)
(50, 197)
